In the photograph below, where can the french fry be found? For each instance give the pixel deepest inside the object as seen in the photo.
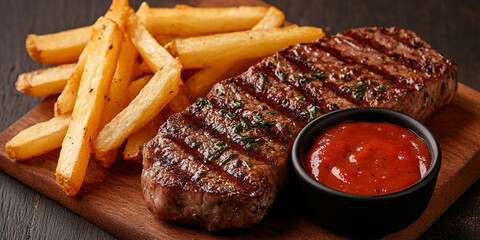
(182, 6)
(66, 101)
(149, 102)
(199, 52)
(116, 97)
(73, 161)
(155, 55)
(45, 81)
(58, 48)
(38, 139)
(135, 142)
(66, 46)
(141, 69)
(117, 12)
(165, 39)
(199, 21)
(180, 102)
(136, 86)
(274, 18)
(202, 82)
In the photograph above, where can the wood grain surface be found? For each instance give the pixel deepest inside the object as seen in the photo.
(449, 26)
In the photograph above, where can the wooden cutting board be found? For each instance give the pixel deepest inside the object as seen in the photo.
(112, 199)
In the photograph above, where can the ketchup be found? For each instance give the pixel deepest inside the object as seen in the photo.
(368, 158)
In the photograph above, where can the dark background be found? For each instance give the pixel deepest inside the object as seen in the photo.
(450, 26)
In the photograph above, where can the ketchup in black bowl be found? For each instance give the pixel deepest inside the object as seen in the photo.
(397, 193)
(368, 158)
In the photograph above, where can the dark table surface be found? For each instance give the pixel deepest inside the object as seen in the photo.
(450, 26)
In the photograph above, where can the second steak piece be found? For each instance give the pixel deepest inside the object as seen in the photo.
(222, 162)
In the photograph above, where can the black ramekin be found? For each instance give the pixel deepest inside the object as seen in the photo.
(365, 215)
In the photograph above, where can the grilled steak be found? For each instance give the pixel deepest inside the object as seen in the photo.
(222, 161)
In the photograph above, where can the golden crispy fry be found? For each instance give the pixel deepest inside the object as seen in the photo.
(135, 142)
(116, 97)
(58, 48)
(149, 102)
(66, 46)
(199, 21)
(201, 82)
(141, 69)
(117, 12)
(180, 102)
(136, 86)
(274, 18)
(182, 6)
(38, 139)
(66, 100)
(45, 81)
(165, 39)
(73, 161)
(154, 54)
(199, 52)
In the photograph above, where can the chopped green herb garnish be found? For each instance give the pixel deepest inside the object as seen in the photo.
(301, 98)
(228, 113)
(304, 80)
(359, 90)
(236, 104)
(281, 75)
(271, 112)
(346, 89)
(216, 153)
(263, 76)
(380, 88)
(370, 30)
(203, 101)
(251, 141)
(220, 143)
(245, 124)
(260, 122)
(252, 145)
(237, 128)
(228, 158)
(319, 75)
(301, 78)
(247, 163)
(196, 144)
(313, 110)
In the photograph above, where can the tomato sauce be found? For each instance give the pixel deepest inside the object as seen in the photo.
(368, 158)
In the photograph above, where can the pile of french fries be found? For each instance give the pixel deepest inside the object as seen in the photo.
(119, 79)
